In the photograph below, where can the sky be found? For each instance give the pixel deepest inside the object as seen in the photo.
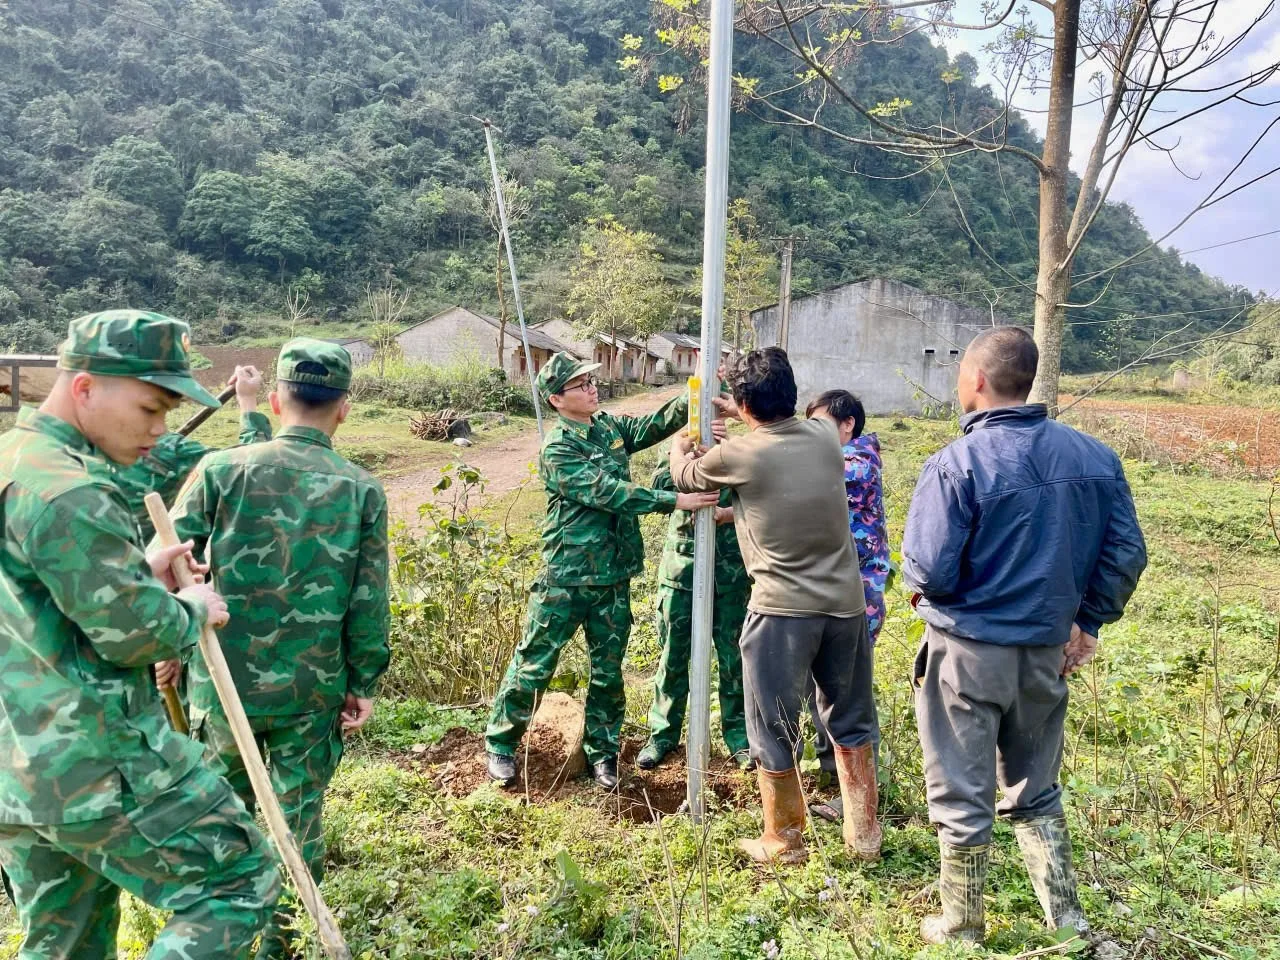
(1161, 188)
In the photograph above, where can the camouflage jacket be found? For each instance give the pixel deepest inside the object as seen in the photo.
(171, 462)
(591, 536)
(676, 569)
(297, 540)
(81, 619)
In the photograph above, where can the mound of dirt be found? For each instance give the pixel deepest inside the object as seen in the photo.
(457, 766)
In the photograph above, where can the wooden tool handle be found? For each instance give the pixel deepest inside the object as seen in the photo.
(207, 412)
(281, 835)
(177, 715)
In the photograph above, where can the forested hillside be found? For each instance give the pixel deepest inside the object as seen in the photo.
(208, 156)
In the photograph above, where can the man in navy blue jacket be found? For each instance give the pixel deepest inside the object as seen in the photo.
(1022, 541)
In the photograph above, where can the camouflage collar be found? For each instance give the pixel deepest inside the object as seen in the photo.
(29, 418)
(306, 435)
(574, 426)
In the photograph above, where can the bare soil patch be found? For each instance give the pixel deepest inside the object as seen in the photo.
(225, 359)
(457, 766)
(1222, 438)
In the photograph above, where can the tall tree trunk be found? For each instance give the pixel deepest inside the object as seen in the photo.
(502, 312)
(1053, 278)
(737, 336)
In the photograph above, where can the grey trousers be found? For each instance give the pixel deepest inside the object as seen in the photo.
(778, 656)
(988, 716)
(823, 749)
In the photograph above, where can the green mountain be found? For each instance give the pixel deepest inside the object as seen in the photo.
(207, 156)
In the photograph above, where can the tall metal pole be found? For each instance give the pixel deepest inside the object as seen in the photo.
(715, 219)
(784, 295)
(515, 281)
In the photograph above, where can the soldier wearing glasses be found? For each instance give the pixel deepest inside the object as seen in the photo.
(592, 547)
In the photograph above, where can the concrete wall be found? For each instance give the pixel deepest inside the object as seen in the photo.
(361, 351)
(883, 340)
(450, 336)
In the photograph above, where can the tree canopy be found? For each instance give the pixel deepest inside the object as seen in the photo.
(204, 157)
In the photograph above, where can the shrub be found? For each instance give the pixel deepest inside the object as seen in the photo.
(468, 385)
(459, 589)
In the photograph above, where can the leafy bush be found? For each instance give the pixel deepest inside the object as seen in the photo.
(460, 586)
(467, 385)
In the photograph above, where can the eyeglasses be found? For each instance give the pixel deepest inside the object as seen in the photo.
(590, 383)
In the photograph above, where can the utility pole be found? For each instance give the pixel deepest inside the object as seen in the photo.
(784, 293)
(715, 221)
(511, 262)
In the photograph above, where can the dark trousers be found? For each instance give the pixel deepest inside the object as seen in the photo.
(988, 716)
(778, 656)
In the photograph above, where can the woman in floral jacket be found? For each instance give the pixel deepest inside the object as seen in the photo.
(862, 480)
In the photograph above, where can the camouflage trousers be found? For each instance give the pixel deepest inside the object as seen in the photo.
(194, 849)
(302, 754)
(671, 684)
(555, 613)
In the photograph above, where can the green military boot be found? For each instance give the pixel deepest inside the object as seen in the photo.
(960, 884)
(1046, 850)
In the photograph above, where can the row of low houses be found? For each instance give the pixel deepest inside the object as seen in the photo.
(459, 332)
(894, 345)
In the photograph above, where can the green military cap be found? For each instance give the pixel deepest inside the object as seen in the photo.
(559, 370)
(331, 356)
(134, 343)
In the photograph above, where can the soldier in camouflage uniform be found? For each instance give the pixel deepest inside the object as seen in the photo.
(296, 537)
(97, 793)
(592, 546)
(675, 630)
(174, 456)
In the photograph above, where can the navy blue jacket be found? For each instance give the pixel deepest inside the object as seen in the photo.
(1019, 528)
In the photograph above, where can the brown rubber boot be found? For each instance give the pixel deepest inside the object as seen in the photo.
(856, 767)
(783, 837)
(961, 880)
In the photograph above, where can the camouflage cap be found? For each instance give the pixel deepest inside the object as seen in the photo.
(134, 343)
(332, 357)
(559, 370)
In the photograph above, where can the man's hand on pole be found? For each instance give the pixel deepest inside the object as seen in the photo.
(248, 382)
(161, 563)
(726, 407)
(696, 501)
(167, 673)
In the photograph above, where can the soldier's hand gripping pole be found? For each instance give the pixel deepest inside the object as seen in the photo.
(206, 412)
(330, 936)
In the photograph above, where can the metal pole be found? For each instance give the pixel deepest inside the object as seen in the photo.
(784, 295)
(515, 281)
(715, 219)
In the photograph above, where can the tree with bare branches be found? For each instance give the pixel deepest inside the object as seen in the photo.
(1155, 66)
(297, 303)
(386, 305)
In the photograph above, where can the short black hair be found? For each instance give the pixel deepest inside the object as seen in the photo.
(765, 385)
(311, 396)
(1009, 357)
(842, 405)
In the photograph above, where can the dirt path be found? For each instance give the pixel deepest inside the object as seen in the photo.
(505, 464)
